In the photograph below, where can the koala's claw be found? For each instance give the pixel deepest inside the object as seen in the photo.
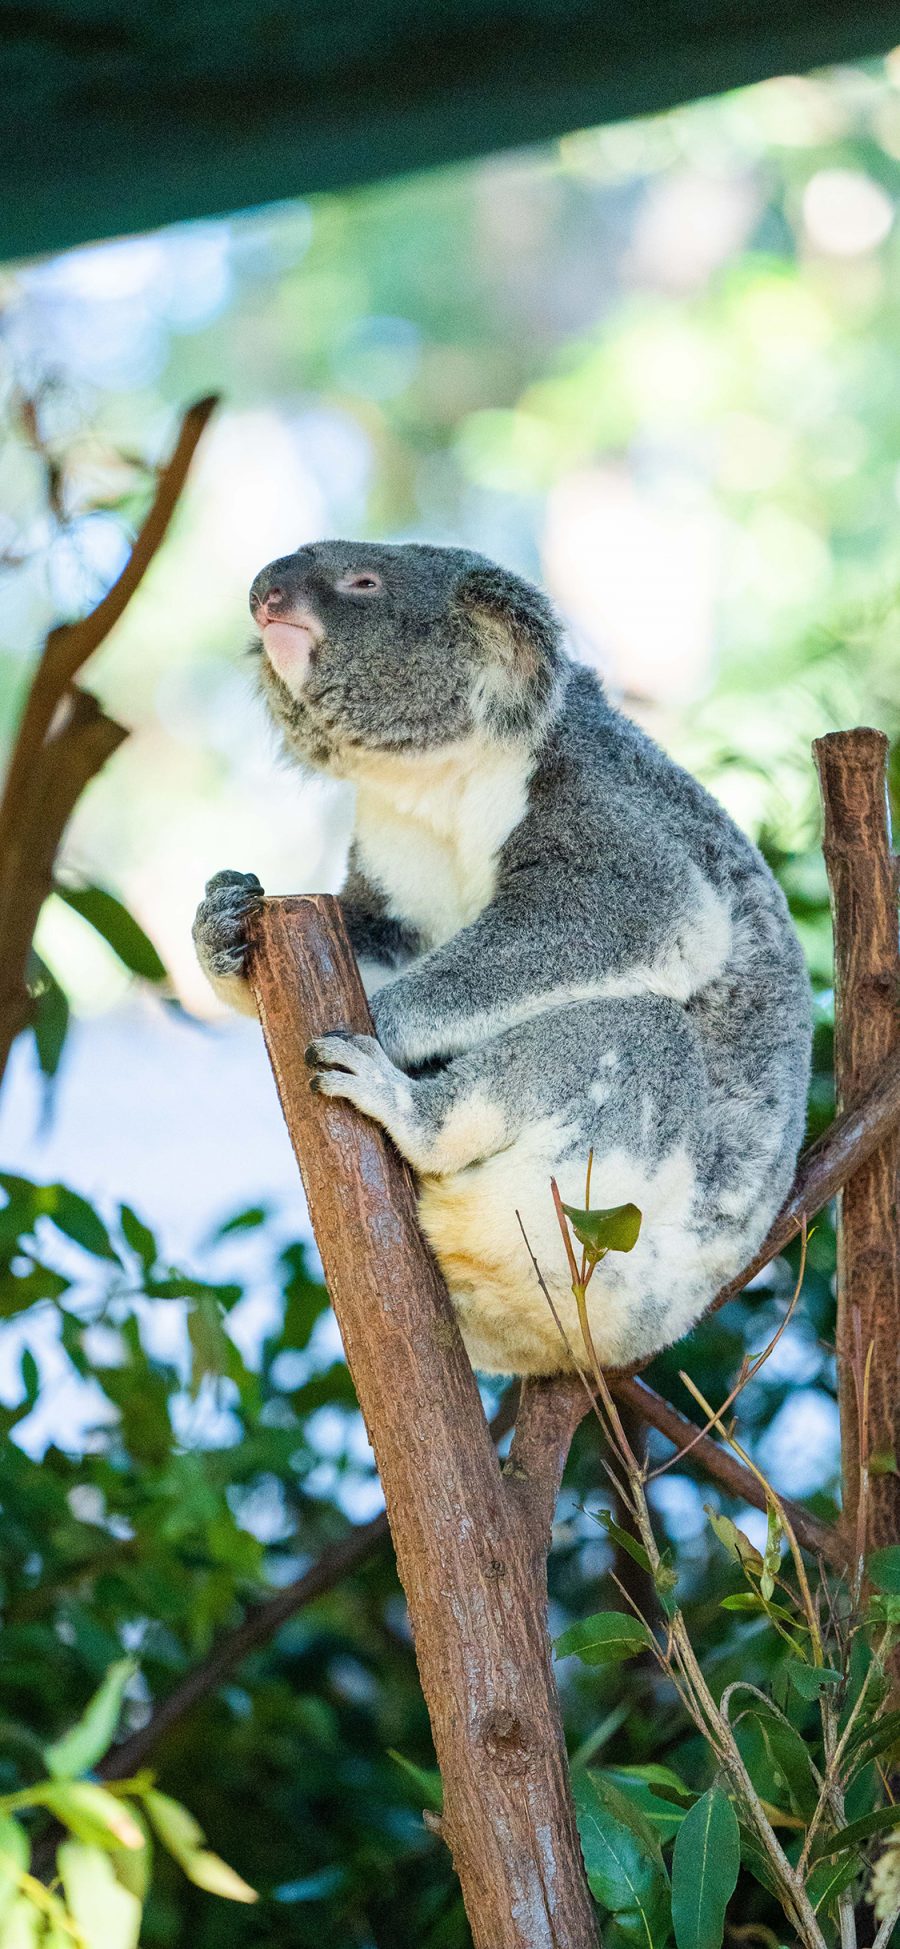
(220, 923)
(354, 1067)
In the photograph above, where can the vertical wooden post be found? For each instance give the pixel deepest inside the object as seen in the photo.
(863, 876)
(471, 1541)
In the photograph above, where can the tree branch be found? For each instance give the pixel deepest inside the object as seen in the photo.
(863, 876)
(62, 741)
(822, 1539)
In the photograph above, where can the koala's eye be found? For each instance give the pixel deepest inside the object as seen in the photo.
(360, 582)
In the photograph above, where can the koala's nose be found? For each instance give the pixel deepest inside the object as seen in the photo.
(266, 594)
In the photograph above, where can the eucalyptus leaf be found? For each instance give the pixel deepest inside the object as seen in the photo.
(615, 1229)
(80, 1749)
(92, 1813)
(425, 1780)
(607, 1638)
(739, 1546)
(108, 1915)
(623, 1862)
(829, 1879)
(883, 1568)
(117, 927)
(15, 1854)
(705, 1868)
(811, 1680)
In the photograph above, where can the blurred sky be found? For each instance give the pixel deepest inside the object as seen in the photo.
(654, 365)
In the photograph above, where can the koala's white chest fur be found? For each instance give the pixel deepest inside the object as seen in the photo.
(429, 829)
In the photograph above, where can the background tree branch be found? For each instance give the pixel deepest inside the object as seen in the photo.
(63, 740)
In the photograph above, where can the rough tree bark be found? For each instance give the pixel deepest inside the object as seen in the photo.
(471, 1538)
(863, 876)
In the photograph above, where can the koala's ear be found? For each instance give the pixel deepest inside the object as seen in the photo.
(518, 636)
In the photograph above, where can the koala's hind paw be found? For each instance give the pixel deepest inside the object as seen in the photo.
(220, 923)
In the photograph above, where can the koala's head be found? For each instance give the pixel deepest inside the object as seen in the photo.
(382, 648)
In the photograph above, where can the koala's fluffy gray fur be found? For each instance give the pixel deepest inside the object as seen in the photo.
(574, 949)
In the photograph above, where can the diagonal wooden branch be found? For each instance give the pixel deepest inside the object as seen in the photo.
(466, 1550)
(62, 741)
(822, 1539)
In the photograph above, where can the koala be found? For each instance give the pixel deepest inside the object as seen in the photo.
(569, 947)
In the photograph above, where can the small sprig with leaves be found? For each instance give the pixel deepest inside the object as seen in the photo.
(95, 1900)
(799, 1797)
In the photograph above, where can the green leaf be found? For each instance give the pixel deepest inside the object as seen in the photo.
(751, 1600)
(73, 1215)
(243, 1221)
(78, 1750)
(92, 1813)
(881, 1822)
(705, 1867)
(788, 1756)
(772, 1558)
(828, 1880)
(426, 1780)
(739, 1546)
(883, 1567)
(15, 1854)
(139, 1237)
(811, 1680)
(117, 927)
(22, 1927)
(107, 1914)
(182, 1835)
(614, 1230)
(207, 1871)
(604, 1639)
(623, 1862)
(883, 1463)
(662, 1817)
(50, 1021)
(870, 1740)
(624, 1540)
(179, 1832)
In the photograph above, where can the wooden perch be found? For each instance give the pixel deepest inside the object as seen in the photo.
(863, 876)
(62, 742)
(470, 1540)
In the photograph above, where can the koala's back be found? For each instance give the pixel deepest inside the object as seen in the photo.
(679, 1058)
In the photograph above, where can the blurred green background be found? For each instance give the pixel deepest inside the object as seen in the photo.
(655, 366)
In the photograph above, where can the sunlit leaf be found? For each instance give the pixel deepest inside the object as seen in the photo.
(604, 1639)
(177, 1829)
(80, 1749)
(206, 1870)
(15, 1853)
(705, 1867)
(21, 1928)
(92, 1813)
(108, 1915)
(739, 1546)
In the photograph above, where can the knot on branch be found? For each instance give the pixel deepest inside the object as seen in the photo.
(505, 1740)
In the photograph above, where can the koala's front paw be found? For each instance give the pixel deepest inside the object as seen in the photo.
(220, 923)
